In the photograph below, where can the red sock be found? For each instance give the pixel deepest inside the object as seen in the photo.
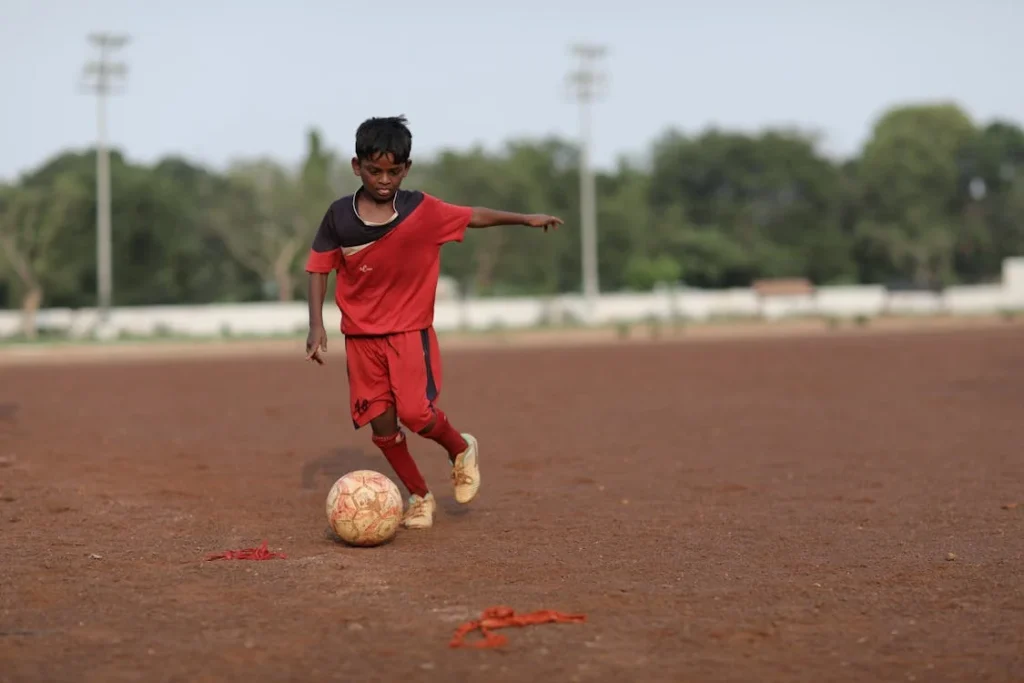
(443, 433)
(396, 449)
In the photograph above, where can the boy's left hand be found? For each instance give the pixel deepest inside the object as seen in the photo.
(539, 220)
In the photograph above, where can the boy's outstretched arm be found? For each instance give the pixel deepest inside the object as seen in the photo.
(483, 217)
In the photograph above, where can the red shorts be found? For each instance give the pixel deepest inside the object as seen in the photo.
(401, 370)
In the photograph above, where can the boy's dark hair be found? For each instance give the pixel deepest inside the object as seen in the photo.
(384, 135)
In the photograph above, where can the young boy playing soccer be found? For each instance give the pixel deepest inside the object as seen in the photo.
(384, 243)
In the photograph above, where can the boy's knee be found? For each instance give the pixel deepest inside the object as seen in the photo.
(385, 424)
(429, 426)
(419, 419)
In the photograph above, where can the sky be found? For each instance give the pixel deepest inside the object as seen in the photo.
(220, 80)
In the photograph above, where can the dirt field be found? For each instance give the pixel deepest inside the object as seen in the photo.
(830, 508)
(160, 349)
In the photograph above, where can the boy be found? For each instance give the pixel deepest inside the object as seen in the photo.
(384, 243)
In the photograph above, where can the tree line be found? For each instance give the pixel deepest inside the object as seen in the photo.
(932, 199)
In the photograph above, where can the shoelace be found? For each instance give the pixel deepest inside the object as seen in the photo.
(417, 508)
(459, 476)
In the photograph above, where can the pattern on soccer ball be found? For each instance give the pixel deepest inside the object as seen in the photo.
(364, 508)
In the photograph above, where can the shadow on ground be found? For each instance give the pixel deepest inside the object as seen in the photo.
(338, 462)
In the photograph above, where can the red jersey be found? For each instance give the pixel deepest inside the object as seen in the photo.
(386, 273)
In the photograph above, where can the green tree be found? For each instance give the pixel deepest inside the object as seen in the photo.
(269, 215)
(932, 199)
(162, 250)
(990, 164)
(31, 222)
(773, 197)
(644, 273)
(524, 176)
(910, 179)
(196, 265)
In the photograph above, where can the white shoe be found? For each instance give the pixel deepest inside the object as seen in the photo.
(420, 513)
(466, 471)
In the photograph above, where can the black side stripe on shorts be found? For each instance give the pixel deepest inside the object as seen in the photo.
(431, 385)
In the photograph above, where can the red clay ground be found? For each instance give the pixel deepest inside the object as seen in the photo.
(743, 510)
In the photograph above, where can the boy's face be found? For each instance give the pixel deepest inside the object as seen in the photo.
(381, 176)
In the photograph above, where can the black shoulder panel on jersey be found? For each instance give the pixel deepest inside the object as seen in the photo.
(352, 232)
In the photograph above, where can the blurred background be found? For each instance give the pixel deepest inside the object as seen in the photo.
(853, 158)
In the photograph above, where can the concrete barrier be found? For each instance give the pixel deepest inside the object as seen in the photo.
(272, 318)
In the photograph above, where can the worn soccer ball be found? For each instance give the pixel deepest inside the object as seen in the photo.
(364, 508)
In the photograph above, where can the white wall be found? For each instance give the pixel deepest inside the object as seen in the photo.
(483, 314)
(1013, 276)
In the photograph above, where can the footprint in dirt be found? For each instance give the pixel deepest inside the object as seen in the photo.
(8, 412)
(336, 463)
(8, 421)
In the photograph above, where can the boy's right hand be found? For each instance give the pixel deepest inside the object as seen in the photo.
(316, 344)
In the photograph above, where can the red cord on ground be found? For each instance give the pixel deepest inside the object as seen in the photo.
(502, 617)
(261, 553)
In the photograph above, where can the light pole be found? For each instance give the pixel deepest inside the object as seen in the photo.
(588, 83)
(100, 76)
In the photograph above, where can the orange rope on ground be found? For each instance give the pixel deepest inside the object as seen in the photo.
(261, 553)
(502, 617)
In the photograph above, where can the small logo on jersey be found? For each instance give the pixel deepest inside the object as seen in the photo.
(360, 406)
(365, 268)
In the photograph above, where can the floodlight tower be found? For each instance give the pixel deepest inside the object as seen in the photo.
(101, 75)
(588, 83)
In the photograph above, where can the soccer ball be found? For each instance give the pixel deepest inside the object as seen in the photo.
(364, 508)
